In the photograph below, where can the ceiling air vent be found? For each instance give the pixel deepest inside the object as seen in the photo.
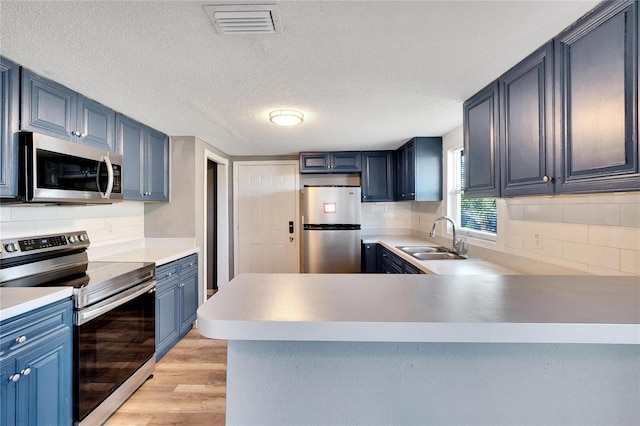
(245, 19)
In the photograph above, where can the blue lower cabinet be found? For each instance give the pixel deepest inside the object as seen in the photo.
(176, 301)
(36, 367)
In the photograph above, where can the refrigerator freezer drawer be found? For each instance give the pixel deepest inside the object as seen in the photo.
(331, 251)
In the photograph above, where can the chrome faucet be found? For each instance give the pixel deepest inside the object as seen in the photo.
(459, 247)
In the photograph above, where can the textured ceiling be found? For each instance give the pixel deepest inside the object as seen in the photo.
(367, 74)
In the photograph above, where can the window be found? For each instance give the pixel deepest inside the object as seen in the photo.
(473, 216)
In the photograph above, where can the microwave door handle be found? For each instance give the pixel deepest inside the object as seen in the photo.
(107, 192)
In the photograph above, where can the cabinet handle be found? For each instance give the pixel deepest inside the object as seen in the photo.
(402, 195)
(26, 371)
(169, 274)
(190, 264)
(14, 377)
(546, 179)
(180, 285)
(21, 339)
(384, 255)
(83, 135)
(412, 194)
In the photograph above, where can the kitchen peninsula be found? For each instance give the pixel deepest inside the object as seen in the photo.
(429, 349)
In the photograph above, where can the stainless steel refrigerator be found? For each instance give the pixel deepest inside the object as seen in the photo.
(331, 229)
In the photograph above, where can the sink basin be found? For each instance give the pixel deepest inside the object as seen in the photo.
(422, 249)
(436, 256)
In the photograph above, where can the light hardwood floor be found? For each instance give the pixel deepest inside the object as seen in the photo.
(187, 388)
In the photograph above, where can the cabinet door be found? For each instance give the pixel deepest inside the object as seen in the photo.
(314, 162)
(167, 315)
(95, 123)
(480, 124)
(156, 167)
(370, 258)
(377, 176)
(526, 121)
(345, 162)
(9, 104)
(8, 393)
(409, 164)
(130, 139)
(45, 392)
(401, 173)
(425, 169)
(597, 99)
(47, 107)
(189, 301)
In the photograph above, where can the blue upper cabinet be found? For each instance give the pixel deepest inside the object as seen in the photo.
(377, 176)
(481, 154)
(157, 167)
(51, 108)
(330, 162)
(9, 113)
(96, 124)
(597, 101)
(146, 160)
(419, 170)
(526, 125)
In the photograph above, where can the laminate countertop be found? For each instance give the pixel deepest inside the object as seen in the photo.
(425, 308)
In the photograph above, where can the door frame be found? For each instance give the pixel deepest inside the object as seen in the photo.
(222, 227)
(236, 167)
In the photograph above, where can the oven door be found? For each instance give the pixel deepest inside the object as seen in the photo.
(112, 339)
(60, 171)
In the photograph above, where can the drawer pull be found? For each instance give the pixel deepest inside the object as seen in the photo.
(21, 339)
(26, 371)
(14, 377)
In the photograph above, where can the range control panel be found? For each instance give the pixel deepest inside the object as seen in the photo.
(16, 247)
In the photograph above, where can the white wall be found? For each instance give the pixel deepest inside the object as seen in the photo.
(105, 224)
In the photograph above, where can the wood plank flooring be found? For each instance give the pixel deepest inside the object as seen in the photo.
(187, 388)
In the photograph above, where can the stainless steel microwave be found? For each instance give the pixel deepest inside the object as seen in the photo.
(58, 171)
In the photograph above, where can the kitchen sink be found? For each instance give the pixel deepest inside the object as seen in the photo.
(422, 249)
(430, 252)
(436, 256)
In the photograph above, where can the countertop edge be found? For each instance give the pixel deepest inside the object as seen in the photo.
(402, 332)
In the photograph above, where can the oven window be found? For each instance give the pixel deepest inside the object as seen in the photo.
(109, 349)
(66, 172)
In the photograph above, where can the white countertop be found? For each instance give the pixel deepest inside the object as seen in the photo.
(469, 266)
(159, 255)
(15, 301)
(157, 250)
(425, 308)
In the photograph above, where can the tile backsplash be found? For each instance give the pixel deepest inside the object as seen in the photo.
(105, 224)
(599, 234)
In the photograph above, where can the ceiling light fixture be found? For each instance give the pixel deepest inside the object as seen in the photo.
(286, 117)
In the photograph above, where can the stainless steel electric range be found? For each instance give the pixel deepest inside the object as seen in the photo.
(114, 315)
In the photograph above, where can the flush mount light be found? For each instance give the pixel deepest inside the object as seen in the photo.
(286, 117)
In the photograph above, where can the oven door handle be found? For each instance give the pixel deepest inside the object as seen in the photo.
(90, 313)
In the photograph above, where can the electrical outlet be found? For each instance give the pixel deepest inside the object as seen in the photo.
(537, 239)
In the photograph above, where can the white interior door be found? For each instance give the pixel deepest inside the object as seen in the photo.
(266, 200)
